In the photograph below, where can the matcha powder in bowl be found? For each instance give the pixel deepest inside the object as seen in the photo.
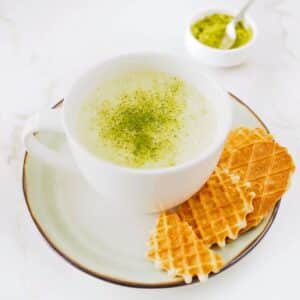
(210, 31)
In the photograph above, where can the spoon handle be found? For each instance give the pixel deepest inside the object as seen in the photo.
(240, 15)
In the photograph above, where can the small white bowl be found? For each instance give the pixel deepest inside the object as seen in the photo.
(218, 57)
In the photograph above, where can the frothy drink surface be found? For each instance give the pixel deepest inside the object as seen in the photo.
(146, 119)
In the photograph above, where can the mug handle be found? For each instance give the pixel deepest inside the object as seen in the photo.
(48, 120)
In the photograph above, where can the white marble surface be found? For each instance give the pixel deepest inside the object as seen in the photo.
(44, 45)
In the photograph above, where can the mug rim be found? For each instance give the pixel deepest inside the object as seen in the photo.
(221, 132)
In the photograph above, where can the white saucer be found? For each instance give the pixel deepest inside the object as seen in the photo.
(80, 226)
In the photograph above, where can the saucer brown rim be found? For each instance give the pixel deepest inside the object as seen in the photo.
(123, 282)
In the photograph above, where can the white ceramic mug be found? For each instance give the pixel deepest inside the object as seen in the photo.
(129, 189)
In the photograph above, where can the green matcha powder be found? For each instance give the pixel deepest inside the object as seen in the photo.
(143, 124)
(211, 30)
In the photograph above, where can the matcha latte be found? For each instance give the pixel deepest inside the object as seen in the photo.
(146, 119)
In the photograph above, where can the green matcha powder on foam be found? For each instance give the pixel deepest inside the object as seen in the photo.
(211, 29)
(143, 125)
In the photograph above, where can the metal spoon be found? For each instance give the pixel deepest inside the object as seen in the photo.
(230, 33)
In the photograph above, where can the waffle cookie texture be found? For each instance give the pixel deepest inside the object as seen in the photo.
(219, 210)
(175, 248)
(253, 173)
(257, 158)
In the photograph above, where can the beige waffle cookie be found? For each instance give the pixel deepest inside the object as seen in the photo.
(265, 164)
(218, 211)
(175, 248)
(243, 136)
